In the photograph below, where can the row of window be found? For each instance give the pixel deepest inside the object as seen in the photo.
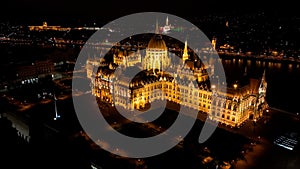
(223, 116)
(183, 91)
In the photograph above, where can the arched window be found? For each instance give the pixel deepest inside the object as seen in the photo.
(214, 102)
(219, 103)
(235, 107)
(229, 105)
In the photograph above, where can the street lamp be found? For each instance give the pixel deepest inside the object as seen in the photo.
(213, 86)
(235, 86)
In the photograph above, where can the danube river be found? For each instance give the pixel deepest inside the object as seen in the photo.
(283, 79)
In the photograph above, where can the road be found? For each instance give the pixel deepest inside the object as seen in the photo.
(265, 154)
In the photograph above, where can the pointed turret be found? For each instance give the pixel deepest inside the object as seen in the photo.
(214, 43)
(185, 55)
(263, 84)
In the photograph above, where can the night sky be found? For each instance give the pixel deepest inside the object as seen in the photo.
(70, 11)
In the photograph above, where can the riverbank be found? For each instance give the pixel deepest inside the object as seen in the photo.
(264, 153)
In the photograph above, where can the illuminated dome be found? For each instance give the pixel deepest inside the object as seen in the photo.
(157, 42)
(156, 54)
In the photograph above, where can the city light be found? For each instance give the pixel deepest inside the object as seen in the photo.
(252, 108)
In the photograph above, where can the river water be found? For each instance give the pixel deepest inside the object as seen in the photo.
(283, 80)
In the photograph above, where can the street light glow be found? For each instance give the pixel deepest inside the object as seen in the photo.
(235, 86)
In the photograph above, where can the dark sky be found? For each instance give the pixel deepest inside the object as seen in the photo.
(64, 11)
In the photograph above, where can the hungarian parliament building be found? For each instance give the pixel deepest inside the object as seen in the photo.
(186, 83)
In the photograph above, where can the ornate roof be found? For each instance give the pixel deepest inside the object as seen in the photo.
(156, 42)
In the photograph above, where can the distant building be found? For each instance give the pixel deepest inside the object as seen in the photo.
(44, 67)
(31, 73)
(21, 124)
(46, 27)
(288, 140)
(167, 28)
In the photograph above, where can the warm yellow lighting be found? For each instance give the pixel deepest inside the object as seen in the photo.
(142, 92)
(235, 86)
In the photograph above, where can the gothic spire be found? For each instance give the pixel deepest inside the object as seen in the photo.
(185, 55)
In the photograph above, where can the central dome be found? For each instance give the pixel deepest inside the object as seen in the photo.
(156, 42)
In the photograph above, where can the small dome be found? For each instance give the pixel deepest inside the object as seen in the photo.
(157, 42)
